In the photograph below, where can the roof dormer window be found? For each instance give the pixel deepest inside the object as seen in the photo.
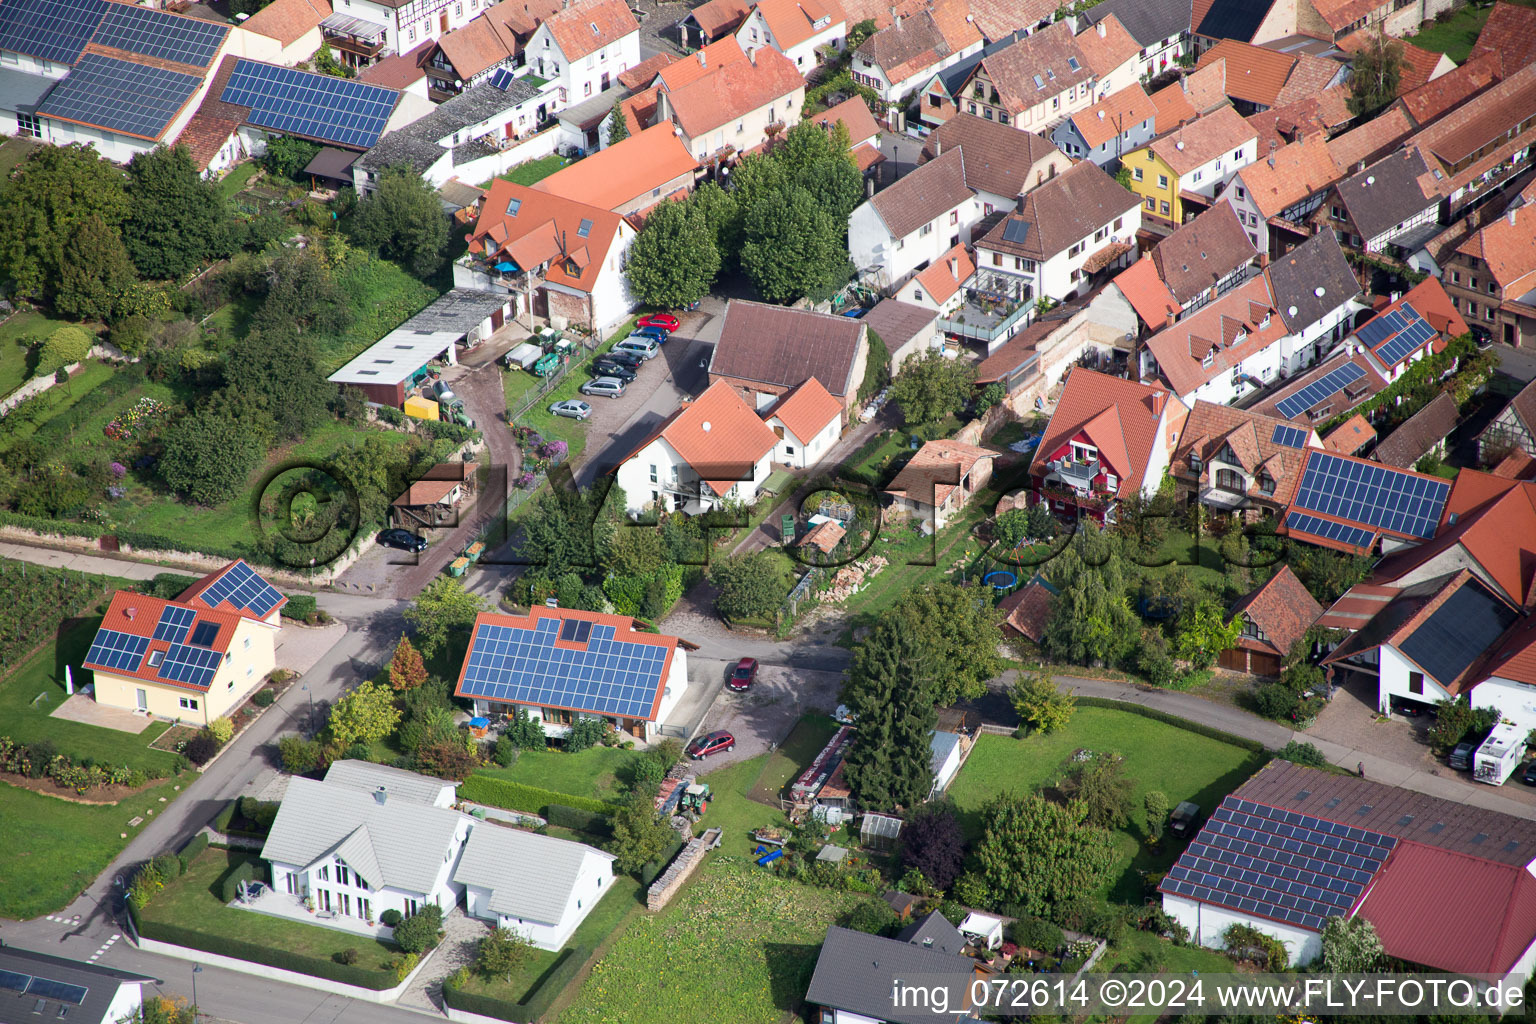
(1208, 359)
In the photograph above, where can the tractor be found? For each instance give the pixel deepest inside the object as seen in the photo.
(695, 799)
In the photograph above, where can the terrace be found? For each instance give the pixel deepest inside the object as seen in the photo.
(992, 310)
(361, 42)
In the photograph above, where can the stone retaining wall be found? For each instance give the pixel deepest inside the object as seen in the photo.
(681, 869)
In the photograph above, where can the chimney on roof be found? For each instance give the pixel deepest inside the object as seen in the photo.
(381, 795)
(1100, 27)
(1511, 215)
(897, 21)
(1158, 397)
(1263, 260)
(1271, 161)
(703, 61)
(1349, 347)
(938, 147)
(130, 612)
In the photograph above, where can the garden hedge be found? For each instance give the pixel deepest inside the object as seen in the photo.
(515, 796)
(229, 889)
(300, 606)
(223, 818)
(537, 1002)
(196, 845)
(651, 871)
(590, 822)
(1183, 723)
(271, 956)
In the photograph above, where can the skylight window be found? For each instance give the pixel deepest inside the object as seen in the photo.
(594, 27)
(513, 205)
(1073, 64)
(1039, 82)
(584, 228)
(1049, 73)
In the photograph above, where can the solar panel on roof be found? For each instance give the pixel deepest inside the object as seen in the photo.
(121, 96)
(46, 988)
(241, 587)
(160, 34)
(575, 630)
(1330, 530)
(174, 623)
(523, 666)
(1330, 383)
(52, 30)
(205, 634)
(502, 78)
(14, 982)
(317, 106)
(1291, 437)
(193, 666)
(118, 652)
(1015, 230)
(1379, 496)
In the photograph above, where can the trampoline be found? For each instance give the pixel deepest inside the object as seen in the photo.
(1000, 579)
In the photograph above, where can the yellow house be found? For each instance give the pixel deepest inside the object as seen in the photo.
(1197, 158)
(193, 659)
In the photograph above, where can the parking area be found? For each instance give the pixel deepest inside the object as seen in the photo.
(762, 717)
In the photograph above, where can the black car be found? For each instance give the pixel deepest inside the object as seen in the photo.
(1528, 773)
(1411, 708)
(607, 368)
(1185, 820)
(405, 540)
(1461, 757)
(623, 358)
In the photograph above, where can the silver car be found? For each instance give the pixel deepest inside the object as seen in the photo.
(574, 408)
(610, 386)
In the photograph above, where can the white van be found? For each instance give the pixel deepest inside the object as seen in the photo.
(645, 348)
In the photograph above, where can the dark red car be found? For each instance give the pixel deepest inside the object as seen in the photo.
(743, 675)
(710, 743)
(666, 321)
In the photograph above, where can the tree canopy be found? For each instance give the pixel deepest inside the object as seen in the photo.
(751, 585)
(280, 374)
(1038, 854)
(403, 220)
(442, 608)
(674, 260)
(931, 387)
(951, 628)
(177, 217)
(1375, 72)
(793, 247)
(366, 714)
(1041, 704)
(208, 457)
(52, 192)
(96, 277)
(639, 834)
(932, 843)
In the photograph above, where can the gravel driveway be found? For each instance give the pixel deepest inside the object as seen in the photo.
(762, 717)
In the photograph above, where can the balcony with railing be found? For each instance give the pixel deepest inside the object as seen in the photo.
(1077, 475)
(992, 309)
(355, 38)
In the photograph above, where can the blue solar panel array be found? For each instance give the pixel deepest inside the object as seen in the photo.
(1330, 530)
(1279, 864)
(317, 106)
(159, 34)
(1291, 437)
(121, 652)
(119, 95)
(523, 666)
(43, 988)
(194, 666)
(174, 623)
(1307, 397)
(501, 78)
(55, 30)
(1371, 495)
(241, 587)
(1400, 333)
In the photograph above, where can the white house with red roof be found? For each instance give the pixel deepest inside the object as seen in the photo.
(719, 449)
(795, 28)
(1109, 438)
(193, 659)
(941, 286)
(561, 664)
(557, 257)
(585, 47)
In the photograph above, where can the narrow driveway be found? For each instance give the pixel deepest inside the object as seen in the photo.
(760, 718)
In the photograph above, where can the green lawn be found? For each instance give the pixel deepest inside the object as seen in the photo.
(13, 356)
(237, 179)
(805, 741)
(12, 152)
(26, 719)
(58, 399)
(595, 772)
(192, 902)
(875, 461)
(55, 848)
(1456, 37)
(533, 171)
(1183, 764)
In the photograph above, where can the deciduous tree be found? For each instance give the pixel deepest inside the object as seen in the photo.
(639, 834)
(1155, 808)
(931, 387)
(1203, 634)
(1041, 704)
(407, 670)
(1375, 73)
(1038, 854)
(65, 345)
(792, 247)
(403, 220)
(501, 952)
(207, 457)
(954, 630)
(1099, 785)
(177, 219)
(442, 609)
(366, 714)
(932, 843)
(280, 373)
(1351, 946)
(95, 276)
(673, 261)
(751, 585)
(55, 190)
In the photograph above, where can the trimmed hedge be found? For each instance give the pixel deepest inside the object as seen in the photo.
(590, 822)
(537, 1002)
(196, 845)
(271, 956)
(300, 606)
(515, 796)
(223, 818)
(650, 872)
(45, 526)
(229, 889)
(1183, 723)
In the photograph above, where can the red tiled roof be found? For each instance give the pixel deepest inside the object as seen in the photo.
(1102, 121)
(1429, 101)
(855, 116)
(947, 274)
(701, 62)
(720, 436)
(1015, 352)
(936, 469)
(1214, 330)
(1338, 402)
(205, 135)
(806, 409)
(287, 20)
(1027, 609)
(138, 615)
(718, 16)
(1350, 436)
(643, 74)
(533, 236)
(398, 70)
(1429, 298)
(624, 171)
(1047, 52)
(1107, 45)
(997, 18)
(1510, 35)
(484, 42)
(1116, 415)
(588, 25)
(224, 606)
(794, 21)
(1254, 73)
(1146, 292)
(1202, 252)
(1517, 465)
(998, 159)
(1508, 245)
(1282, 608)
(1241, 436)
(1203, 140)
(1357, 606)
(1370, 141)
(727, 93)
(780, 346)
(1290, 174)
(921, 196)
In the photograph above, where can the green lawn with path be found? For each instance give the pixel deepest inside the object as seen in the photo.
(193, 902)
(1455, 37)
(1183, 764)
(23, 324)
(55, 848)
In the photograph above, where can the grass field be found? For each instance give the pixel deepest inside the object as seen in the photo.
(192, 901)
(26, 719)
(55, 848)
(13, 356)
(1456, 37)
(533, 171)
(595, 772)
(237, 179)
(1183, 764)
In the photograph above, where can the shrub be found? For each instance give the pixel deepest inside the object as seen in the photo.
(585, 733)
(348, 956)
(1304, 754)
(299, 755)
(229, 890)
(421, 931)
(222, 729)
(590, 822)
(1244, 942)
(168, 864)
(1275, 700)
(300, 607)
(196, 845)
(505, 753)
(263, 698)
(446, 759)
(201, 748)
(390, 918)
(65, 345)
(872, 916)
(1036, 933)
(145, 885)
(223, 818)
(404, 965)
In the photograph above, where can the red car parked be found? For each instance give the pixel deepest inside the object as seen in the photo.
(666, 321)
(710, 743)
(743, 675)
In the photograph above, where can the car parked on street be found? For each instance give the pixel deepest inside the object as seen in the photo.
(645, 348)
(661, 334)
(403, 540)
(666, 321)
(701, 747)
(571, 408)
(609, 368)
(611, 387)
(743, 675)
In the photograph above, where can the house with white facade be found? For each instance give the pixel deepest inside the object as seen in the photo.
(1076, 225)
(1160, 27)
(1001, 164)
(536, 886)
(47, 987)
(355, 853)
(1123, 121)
(795, 28)
(364, 30)
(909, 225)
(898, 59)
(807, 421)
(1391, 202)
(730, 108)
(941, 287)
(584, 48)
(1275, 196)
(559, 664)
(1199, 262)
(940, 478)
(1225, 350)
(1317, 294)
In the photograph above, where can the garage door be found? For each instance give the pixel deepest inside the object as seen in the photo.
(1235, 660)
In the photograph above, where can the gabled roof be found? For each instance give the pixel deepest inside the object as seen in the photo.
(1203, 251)
(640, 77)
(728, 92)
(288, 20)
(1388, 192)
(1233, 19)
(920, 40)
(1205, 139)
(1199, 92)
(1228, 330)
(947, 274)
(855, 971)
(485, 41)
(1348, 503)
(719, 16)
(805, 409)
(1027, 609)
(397, 70)
(934, 931)
(1107, 45)
(781, 346)
(1062, 212)
(1421, 432)
(926, 193)
(1147, 293)
(794, 21)
(1289, 175)
(1335, 394)
(702, 62)
(1428, 298)
(531, 877)
(719, 436)
(1372, 140)
(1475, 135)
(396, 843)
(854, 115)
(897, 323)
(368, 777)
(1268, 77)
(1350, 436)
(1509, 34)
(1148, 21)
(1248, 436)
(936, 469)
(1426, 103)
(162, 660)
(99, 986)
(998, 158)
(240, 590)
(1049, 55)
(1117, 416)
(1110, 116)
(530, 228)
(998, 19)
(625, 170)
(1282, 608)
(1311, 281)
(588, 25)
(1507, 245)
